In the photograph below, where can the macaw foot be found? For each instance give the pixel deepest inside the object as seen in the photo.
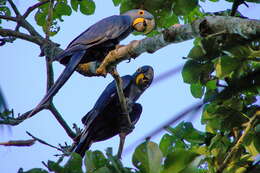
(131, 51)
(126, 129)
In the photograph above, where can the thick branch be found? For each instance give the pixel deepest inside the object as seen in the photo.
(236, 147)
(23, 36)
(14, 19)
(247, 29)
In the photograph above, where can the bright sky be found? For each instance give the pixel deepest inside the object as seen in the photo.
(23, 83)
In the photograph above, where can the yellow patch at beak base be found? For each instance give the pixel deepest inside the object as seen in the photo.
(138, 20)
(140, 76)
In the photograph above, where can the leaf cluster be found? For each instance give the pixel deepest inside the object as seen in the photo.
(62, 8)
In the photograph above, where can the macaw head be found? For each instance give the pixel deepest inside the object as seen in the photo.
(142, 21)
(143, 77)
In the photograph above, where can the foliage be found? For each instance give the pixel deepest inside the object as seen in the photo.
(215, 64)
(62, 8)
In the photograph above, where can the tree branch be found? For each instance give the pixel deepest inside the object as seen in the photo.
(125, 121)
(62, 122)
(19, 143)
(43, 142)
(15, 121)
(247, 29)
(236, 147)
(14, 19)
(16, 11)
(49, 20)
(23, 36)
(32, 8)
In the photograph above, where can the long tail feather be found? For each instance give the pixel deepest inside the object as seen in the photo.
(67, 72)
(83, 145)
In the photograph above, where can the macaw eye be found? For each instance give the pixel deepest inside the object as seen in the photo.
(139, 70)
(141, 12)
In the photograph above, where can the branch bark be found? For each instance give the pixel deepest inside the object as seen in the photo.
(14, 19)
(62, 122)
(125, 121)
(205, 27)
(23, 36)
(18, 143)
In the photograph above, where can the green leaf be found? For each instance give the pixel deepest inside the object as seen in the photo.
(183, 7)
(191, 71)
(103, 170)
(61, 9)
(74, 4)
(74, 164)
(40, 18)
(257, 128)
(115, 163)
(87, 7)
(148, 157)
(4, 10)
(55, 167)
(178, 160)
(95, 160)
(240, 51)
(211, 85)
(2, 2)
(185, 130)
(166, 144)
(196, 53)
(197, 90)
(225, 65)
(116, 2)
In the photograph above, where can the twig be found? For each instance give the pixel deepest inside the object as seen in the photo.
(43, 142)
(62, 122)
(16, 11)
(49, 20)
(35, 6)
(235, 6)
(20, 118)
(125, 121)
(44, 164)
(19, 143)
(236, 147)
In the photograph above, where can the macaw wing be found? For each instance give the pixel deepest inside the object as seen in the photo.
(111, 28)
(105, 98)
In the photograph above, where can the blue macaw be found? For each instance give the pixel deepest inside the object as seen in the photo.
(96, 42)
(103, 120)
